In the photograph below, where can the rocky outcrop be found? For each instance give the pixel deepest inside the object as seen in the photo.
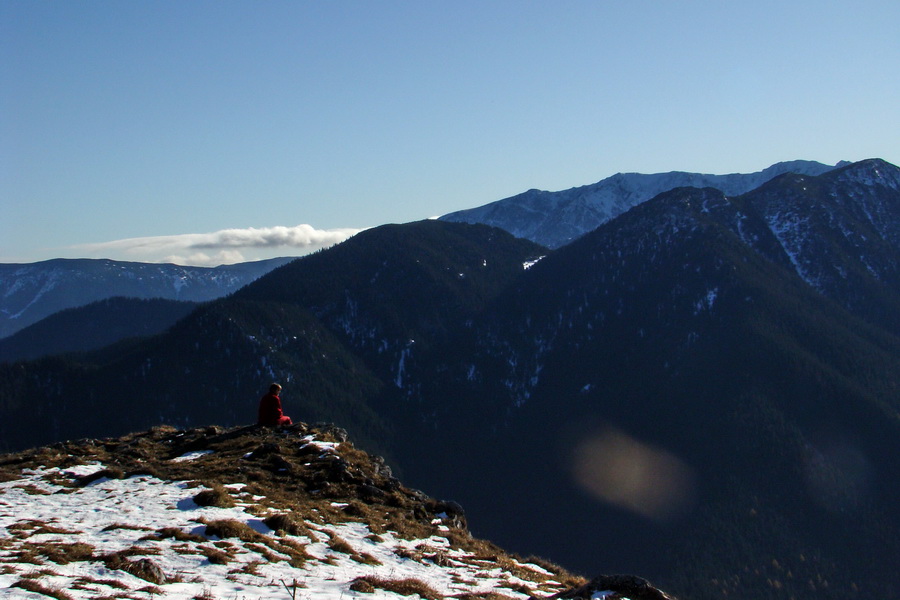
(613, 587)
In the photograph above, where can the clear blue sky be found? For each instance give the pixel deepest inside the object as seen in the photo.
(128, 129)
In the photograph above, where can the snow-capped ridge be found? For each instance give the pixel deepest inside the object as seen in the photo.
(33, 291)
(554, 219)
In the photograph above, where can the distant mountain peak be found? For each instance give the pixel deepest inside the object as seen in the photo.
(873, 171)
(554, 219)
(32, 291)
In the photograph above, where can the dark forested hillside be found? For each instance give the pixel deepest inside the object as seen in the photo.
(703, 391)
(92, 327)
(395, 293)
(756, 420)
(335, 333)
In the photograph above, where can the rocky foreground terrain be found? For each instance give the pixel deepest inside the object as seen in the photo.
(247, 513)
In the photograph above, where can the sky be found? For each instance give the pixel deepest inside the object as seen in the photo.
(216, 132)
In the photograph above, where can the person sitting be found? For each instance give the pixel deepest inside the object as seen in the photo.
(270, 412)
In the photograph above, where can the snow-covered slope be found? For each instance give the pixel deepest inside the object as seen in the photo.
(33, 291)
(554, 219)
(305, 515)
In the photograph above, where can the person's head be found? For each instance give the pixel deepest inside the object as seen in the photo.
(274, 389)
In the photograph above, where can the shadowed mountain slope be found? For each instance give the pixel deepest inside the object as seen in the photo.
(92, 327)
(762, 411)
(702, 391)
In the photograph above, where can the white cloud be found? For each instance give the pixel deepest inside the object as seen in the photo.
(219, 247)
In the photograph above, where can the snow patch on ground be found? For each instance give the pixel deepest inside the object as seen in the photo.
(42, 510)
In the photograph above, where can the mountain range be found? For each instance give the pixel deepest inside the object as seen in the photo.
(702, 390)
(554, 219)
(30, 292)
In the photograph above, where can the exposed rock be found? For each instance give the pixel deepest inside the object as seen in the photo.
(618, 586)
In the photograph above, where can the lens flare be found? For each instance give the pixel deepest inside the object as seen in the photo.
(622, 471)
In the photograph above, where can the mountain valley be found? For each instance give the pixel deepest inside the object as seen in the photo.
(701, 390)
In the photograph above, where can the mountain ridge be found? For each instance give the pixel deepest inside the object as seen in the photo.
(32, 291)
(680, 339)
(554, 219)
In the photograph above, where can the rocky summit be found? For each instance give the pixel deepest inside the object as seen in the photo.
(245, 512)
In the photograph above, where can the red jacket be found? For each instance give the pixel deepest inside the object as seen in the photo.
(270, 412)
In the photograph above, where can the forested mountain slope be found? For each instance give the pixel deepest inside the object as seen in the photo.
(702, 391)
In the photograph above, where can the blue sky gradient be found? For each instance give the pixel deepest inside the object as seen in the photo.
(161, 121)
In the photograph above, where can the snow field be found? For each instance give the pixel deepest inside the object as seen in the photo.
(55, 536)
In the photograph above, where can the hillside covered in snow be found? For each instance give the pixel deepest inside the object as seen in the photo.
(243, 513)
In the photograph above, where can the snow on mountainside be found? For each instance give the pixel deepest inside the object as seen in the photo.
(839, 231)
(554, 219)
(30, 292)
(244, 513)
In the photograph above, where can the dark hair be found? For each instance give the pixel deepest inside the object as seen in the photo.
(274, 388)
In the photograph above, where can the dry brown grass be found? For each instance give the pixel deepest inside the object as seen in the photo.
(232, 528)
(108, 473)
(32, 490)
(424, 552)
(216, 556)
(287, 523)
(339, 544)
(35, 586)
(58, 552)
(125, 526)
(106, 582)
(28, 528)
(263, 551)
(175, 534)
(250, 568)
(40, 573)
(295, 550)
(404, 587)
(216, 496)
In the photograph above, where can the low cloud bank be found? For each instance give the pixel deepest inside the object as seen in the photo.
(227, 246)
